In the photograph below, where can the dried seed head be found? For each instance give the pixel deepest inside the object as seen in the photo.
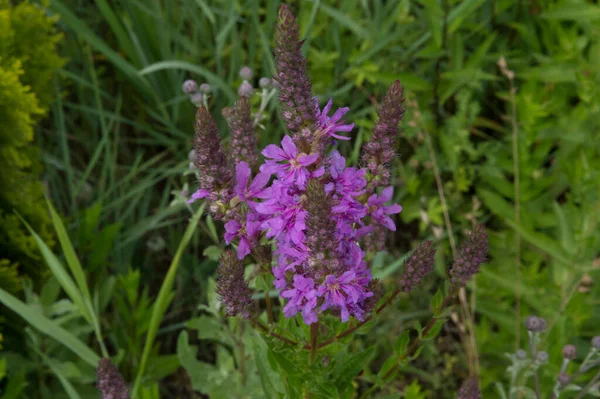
(109, 381)
(232, 287)
(471, 255)
(419, 265)
(569, 352)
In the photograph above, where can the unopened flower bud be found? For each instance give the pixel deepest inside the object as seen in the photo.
(109, 381)
(197, 99)
(596, 342)
(205, 88)
(189, 86)
(232, 287)
(535, 324)
(419, 265)
(542, 357)
(563, 379)
(569, 352)
(265, 83)
(469, 389)
(246, 73)
(472, 253)
(245, 89)
(521, 354)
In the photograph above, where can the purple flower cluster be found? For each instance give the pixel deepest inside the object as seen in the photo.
(305, 199)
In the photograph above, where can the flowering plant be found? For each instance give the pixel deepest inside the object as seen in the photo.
(308, 220)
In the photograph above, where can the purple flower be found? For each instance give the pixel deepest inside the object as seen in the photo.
(294, 169)
(379, 212)
(285, 214)
(199, 194)
(341, 292)
(247, 234)
(257, 187)
(303, 297)
(329, 126)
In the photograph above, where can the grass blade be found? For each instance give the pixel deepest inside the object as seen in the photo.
(59, 271)
(49, 328)
(164, 294)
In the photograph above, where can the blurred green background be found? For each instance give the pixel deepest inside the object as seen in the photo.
(92, 113)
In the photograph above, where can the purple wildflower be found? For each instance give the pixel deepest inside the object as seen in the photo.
(301, 298)
(342, 292)
(380, 212)
(256, 189)
(331, 125)
(294, 167)
(247, 234)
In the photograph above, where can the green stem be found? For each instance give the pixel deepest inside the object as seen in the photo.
(314, 340)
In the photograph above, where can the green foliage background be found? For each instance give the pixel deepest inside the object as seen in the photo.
(115, 150)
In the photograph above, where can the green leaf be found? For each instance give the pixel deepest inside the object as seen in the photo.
(435, 330)
(212, 252)
(208, 328)
(60, 273)
(68, 387)
(206, 11)
(164, 297)
(541, 241)
(269, 379)
(402, 343)
(387, 366)
(203, 376)
(348, 368)
(187, 66)
(568, 11)
(436, 301)
(50, 328)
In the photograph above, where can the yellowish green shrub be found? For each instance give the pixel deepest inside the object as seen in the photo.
(28, 62)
